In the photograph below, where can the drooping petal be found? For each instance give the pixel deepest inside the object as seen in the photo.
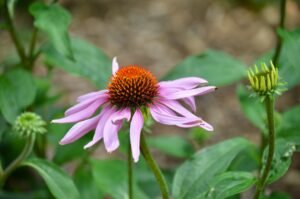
(110, 134)
(79, 130)
(81, 115)
(84, 104)
(206, 126)
(135, 133)
(190, 101)
(184, 83)
(115, 65)
(123, 114)
(189, 93)
(91, 94)
(105, 113)
(162, 115)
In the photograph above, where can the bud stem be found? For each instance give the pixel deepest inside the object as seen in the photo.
(155, 169)
(23, 155)
(271, 139)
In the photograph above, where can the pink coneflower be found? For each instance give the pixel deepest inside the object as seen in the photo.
(130, 90)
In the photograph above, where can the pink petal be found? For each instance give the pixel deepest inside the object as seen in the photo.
(79, 130)
(190, 93)
(89, 95)
(105, 113)
(177, 107)
(81, 115)
(135, 133)
(184, 83)
(123, 114)
(115, 65)
(79, 107)
(190, 101)
(206, 126)
(110, 134)
(165, 116)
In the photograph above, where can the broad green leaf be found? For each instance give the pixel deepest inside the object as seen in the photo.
(17, 91)
(172, 145)
(58, 182)
(24, 86)
(54, 20)
(192, 177)
(85, 183)
(227, 184)
(8, 102)
(290, 126)
(89, 62)
(218, 68)
(252, 108)
(281, 160)
(111, 178)
(289, 60)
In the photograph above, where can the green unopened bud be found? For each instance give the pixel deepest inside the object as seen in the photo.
(264, 81)
(29, 123)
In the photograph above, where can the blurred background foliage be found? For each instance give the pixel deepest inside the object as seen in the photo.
(68, 48)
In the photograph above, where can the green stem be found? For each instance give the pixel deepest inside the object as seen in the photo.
(31, 55)
(281, 25)
(129, 161)
(155, 169)
(13, 35)
(270, 114)
(23, 155)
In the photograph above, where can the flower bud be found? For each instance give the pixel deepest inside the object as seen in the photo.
(29, 123)
(264, 81)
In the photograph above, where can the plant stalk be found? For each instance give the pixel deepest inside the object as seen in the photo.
(22, 156)
(281, 25)
(14, 36)
(271, 141)
(129, 162)
(155, 169)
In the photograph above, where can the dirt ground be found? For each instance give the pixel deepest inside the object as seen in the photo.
(160, 33)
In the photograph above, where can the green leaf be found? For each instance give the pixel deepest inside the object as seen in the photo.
(289, 59)
(58, 182)
(281, 160)
(172, 145)
(252, 108)
(290, 126)
(8, 102)
(89, 62)
(17, 91)
(218, 68)
(85, 183)
(54, 20)
(11, 7)
(192, 177)
(227, 184)
(111, 178)
(24, 86)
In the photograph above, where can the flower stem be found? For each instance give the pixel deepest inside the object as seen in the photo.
(23, 155)
(14, 36)
(129, 162)
(281, 25)
(270, 114)
(155, 169)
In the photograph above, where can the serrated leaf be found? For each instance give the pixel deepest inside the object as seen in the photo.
(54, 20)
(227, 184)
(281, 160)
(58, 182)
(89, 62)
(192, 177)
(218, 68)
